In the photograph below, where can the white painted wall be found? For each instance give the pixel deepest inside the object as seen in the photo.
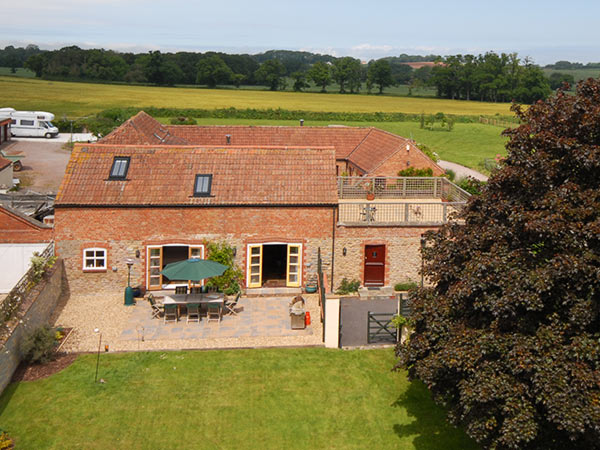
(332, 323)
(15, 260)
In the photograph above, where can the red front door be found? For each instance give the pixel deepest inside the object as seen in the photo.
(374, 265)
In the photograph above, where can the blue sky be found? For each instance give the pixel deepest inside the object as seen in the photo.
(546, 31)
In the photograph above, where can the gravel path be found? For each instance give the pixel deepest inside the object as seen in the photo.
(462, 171)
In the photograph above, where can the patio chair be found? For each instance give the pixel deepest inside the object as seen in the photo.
(157, 308)
(196, 290)
(171, 314)
(214, 312)
(193, 312)
(181, 289)
(230, 305)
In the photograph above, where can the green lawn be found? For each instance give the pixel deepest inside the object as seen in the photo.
(82, 99)
(275, 398)
(467, 144)
(20, 72)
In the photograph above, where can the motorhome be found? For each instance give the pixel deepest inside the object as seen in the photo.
(30, 123)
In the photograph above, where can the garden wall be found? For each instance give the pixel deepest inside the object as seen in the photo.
(40, 304)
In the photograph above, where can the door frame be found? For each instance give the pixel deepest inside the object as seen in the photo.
(287, 244)
(161, 246)
(364, 268)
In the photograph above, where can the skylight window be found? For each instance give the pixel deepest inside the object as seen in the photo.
(119, 168)
(202, 185)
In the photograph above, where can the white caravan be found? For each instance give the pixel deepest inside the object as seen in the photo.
(30, 123)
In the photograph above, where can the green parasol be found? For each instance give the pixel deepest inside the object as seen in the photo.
(193, 269)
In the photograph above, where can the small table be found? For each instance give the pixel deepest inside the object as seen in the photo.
(185, 299)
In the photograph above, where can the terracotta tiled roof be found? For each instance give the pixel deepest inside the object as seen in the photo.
(343, 139)
(4, 163)
(142, 129)
(164, 175)
(367, 148)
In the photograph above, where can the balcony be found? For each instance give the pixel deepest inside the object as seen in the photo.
(405, 201)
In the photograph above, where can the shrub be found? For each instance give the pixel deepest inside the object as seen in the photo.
(412, 172)
(181, 120)
(451, 174)
(39, 346)
(407, 286)
(227, 283)
(471, 185)
(347, 287)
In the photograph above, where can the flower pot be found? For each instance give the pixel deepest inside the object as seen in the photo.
(370, 196)
(310, 288)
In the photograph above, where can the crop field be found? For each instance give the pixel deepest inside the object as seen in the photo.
(82, 99)
(467, 144)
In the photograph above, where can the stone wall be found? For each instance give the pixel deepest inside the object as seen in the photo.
(42, 303)
(402, 252)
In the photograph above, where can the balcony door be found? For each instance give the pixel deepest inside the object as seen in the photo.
(374, 265)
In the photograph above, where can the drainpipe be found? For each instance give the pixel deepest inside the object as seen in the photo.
(333, 244)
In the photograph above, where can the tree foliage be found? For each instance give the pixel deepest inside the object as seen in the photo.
(212, 70)
(507, 336)
(380, 74)
(271, 73)
(346, 73)
(490, 77)
(320, 74)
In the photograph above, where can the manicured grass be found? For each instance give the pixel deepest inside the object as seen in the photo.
(82, 99)
(276, 398)
(467, 144)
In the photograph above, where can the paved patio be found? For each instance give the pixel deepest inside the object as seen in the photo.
(266, 317)
(261, 322)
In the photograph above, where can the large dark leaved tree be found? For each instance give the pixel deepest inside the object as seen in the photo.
(507, 335)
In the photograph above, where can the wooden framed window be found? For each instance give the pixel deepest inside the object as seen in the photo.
(94, 259)
(294, 257)
(255, 266)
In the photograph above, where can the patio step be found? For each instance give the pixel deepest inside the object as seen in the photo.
(273, 292)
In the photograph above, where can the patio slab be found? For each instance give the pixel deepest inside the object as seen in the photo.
(261, 322)
(256, 317)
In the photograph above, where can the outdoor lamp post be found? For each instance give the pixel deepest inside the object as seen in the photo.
(129, 290)
(423, 242)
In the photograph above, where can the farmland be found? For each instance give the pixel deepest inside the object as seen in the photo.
(82, 99)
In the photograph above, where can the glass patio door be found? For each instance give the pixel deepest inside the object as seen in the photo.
(255, 266)
(154, 268)
(293, 265)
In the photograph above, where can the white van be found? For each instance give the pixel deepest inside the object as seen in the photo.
(30, 123)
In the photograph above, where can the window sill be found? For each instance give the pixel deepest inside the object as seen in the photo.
(94, 270)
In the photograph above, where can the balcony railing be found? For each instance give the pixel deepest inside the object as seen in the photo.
(400, 188)
(397, 213)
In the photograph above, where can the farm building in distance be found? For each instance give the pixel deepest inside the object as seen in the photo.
(158, 194)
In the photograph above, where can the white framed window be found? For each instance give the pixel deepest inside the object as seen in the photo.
(94, 259)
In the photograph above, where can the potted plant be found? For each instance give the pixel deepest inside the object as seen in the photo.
(311, 287)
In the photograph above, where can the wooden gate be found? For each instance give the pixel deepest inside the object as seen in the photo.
(380, 328)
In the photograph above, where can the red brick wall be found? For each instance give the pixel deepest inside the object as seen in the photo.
(125, 230)
(398, 161)
(15, 229)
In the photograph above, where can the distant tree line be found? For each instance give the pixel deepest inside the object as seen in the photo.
(567, 65)
(489, 77)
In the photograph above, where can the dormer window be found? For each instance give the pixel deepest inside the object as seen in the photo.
(119, 168)
(202, 185)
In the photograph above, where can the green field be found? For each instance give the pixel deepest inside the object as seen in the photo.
(244, 399)
(467, 144)
(20, 72)
(578, 74)
(82, 99)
